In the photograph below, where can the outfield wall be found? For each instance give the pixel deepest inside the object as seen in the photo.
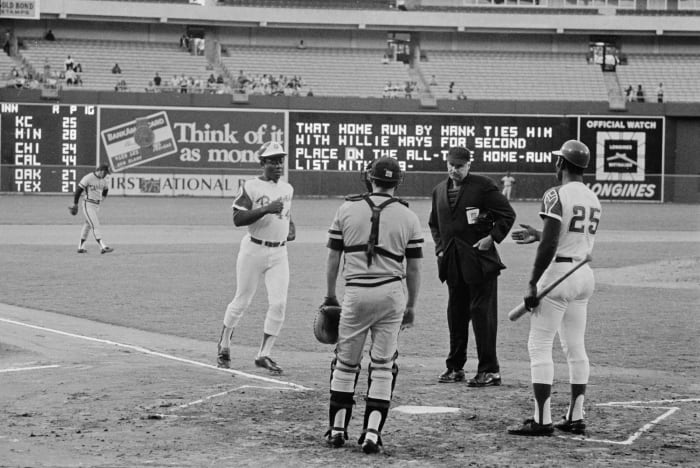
(204, 145)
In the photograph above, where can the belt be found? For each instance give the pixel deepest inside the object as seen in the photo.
(267, 243)
(96, 202)
(564, 260)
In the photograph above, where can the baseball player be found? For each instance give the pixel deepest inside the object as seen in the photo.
(374, 232)
(571, 213)
(95, 186)
(508, 181)
(264, 205)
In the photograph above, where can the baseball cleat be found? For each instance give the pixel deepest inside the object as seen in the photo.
(451, 375)
(107, 250)
(269, 364)
(335, 438)
(485, 379)
(82, 250)
(370, 446)
(223, 357)
(530, 428)
(573, 427)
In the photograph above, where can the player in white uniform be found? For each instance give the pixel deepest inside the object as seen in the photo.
(508, 181)
(264, 205)
(571, 213)
(96, 186)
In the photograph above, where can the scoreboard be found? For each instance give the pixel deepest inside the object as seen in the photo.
(46, 148)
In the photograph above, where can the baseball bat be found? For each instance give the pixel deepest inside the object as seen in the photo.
(520, 310)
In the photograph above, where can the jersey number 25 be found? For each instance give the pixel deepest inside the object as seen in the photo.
(581, 214)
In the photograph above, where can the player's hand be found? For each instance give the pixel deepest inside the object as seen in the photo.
(408, 316)
(275, 207)
(73, 209)
(526, 235)
(530, 299)
(485, 243)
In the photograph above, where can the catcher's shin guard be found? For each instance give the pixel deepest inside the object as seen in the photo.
(343, 382)
(380, 389)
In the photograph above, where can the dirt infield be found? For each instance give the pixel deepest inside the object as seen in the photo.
(107, 360)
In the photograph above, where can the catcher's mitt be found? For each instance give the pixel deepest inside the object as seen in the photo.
(327, 321)
(73, 209)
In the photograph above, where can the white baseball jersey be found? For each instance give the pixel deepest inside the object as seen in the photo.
(93, 187)
(255, 193)
(578, 209)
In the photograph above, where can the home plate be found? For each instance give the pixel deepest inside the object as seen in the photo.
(425, 409)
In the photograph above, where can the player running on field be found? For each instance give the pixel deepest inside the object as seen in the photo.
(95, 185)
(374, 234)
(264, 205)
(571, 213)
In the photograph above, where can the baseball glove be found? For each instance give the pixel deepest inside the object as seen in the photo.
(327, 321)
(73, 209)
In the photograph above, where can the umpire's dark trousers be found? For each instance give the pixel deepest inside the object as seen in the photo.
(477, 303)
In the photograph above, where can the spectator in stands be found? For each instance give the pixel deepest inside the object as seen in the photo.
(220, 79)
(77, 67)
(640, 94)
(629, 93)
(70, 76)
(310, 92)
(461, 96)
(301, 44)
(14, 73)
(116, 69)
(49, 36)
(660, 93)
(211, 81)
(451, 87)
(433, 81)
(385, 59)
(69, 63)
(121, 86)
(185, 41)
(198, 46)
(157, 80)
(151, 88)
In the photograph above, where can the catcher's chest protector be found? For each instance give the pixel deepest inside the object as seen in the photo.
(374, 230)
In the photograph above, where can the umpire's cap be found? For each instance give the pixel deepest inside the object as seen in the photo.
(575, 152)
(271, 149)
(460, 155)
(386, 169)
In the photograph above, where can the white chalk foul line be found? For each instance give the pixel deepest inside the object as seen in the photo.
(647, 427)
(220, 394)
(653, 402)
(20, 369)
(155, 353)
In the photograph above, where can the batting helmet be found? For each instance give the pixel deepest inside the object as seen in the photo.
(271, 149)
(386, 169)
(575, 152)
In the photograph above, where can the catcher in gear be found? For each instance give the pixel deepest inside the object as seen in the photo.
(380, 240)
(95, 185)
(570, 213)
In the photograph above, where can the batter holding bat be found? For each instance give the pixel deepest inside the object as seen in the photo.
(571, 214)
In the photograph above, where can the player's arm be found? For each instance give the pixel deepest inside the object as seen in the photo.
(77, 194)
(413, 269)
(105, 191)
(332, 269)
(292, 231)
(549, 240)
(248, 217)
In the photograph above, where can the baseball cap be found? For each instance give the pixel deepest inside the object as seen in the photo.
(270, 149)
(460, 154)
(387, 169)
(104, 167)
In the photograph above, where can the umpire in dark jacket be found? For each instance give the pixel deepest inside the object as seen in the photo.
(469, 215)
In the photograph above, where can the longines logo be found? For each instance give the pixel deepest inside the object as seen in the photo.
(620, 156)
